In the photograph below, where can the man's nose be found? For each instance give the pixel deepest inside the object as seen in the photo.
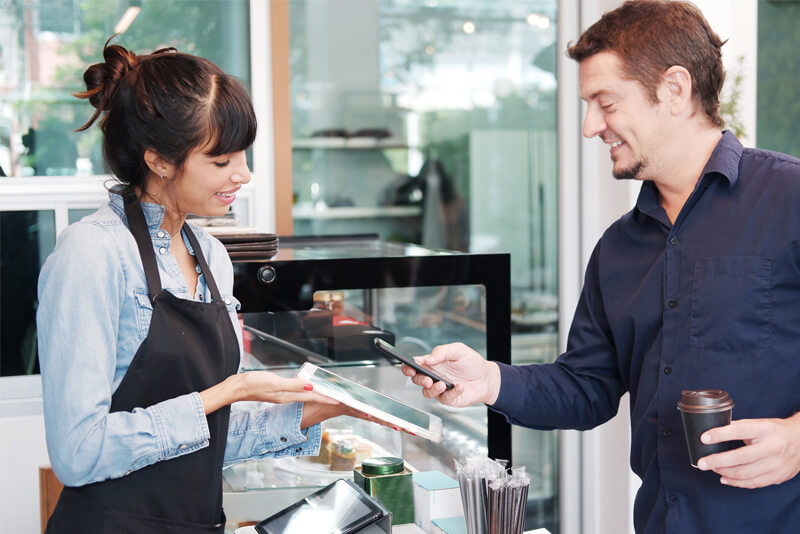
(593, 123)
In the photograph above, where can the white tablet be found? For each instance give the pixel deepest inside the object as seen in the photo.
(369, 401)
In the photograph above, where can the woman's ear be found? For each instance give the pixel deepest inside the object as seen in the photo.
(678, 88)
(157, 164)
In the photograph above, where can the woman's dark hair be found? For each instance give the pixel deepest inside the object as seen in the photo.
(168, 102)
(650, 36)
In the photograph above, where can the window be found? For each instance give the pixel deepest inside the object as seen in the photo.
(57, 175)
(778, 108)
(435, 123)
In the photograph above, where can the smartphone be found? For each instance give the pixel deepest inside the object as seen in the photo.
(390, 350)
(376, 404)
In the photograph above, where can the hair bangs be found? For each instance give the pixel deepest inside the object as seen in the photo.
(232, 121)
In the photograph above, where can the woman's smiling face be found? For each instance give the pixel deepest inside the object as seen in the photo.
(207, 185)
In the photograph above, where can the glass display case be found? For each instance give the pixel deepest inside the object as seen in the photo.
(324, 300)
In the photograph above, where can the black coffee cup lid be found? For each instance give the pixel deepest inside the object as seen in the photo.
(704, 401)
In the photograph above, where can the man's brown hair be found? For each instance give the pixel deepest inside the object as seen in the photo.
(650, 36)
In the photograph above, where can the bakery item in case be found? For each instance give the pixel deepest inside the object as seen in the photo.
(343, 455)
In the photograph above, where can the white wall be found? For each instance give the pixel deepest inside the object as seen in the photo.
(22, 452)
(737, 21)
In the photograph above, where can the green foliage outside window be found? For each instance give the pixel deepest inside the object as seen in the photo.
(778, 111)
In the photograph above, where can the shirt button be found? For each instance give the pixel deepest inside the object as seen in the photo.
(673, 498)
(283, 439)
(227, 301)
(666, 432)
(197, 269)
(667, 370)
(673, 240)
(162, 250)
(161, 233)
(672, 303)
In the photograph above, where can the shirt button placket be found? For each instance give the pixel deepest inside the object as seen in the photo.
(665, 381)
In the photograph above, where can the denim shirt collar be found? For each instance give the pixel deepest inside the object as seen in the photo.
(153, 213)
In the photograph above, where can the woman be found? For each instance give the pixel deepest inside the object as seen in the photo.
(139, 342)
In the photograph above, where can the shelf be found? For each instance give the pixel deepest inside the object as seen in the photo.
(351, 143)
(356, 212)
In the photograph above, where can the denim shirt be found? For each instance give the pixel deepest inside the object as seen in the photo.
(93, 315)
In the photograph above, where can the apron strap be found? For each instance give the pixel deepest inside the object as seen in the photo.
(198, 253)
(138, 227)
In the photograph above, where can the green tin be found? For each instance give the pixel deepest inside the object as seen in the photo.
(387, 479)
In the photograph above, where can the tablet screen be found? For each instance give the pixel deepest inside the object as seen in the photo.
(332, 509)
(370, 397)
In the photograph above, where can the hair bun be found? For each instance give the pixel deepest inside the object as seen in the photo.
(102, 79)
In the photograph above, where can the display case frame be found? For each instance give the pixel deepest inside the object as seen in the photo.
(305, 265)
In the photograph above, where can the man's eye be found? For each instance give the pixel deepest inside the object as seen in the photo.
(608, 107)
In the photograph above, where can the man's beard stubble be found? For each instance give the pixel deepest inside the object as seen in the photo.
(631, 173)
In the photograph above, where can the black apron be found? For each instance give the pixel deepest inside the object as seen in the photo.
(190, 346)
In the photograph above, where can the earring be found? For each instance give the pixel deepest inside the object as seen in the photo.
(162, 176)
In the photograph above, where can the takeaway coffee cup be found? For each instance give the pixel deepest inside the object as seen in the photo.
(702, 410)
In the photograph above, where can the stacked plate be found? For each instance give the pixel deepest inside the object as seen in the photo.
(250, 246)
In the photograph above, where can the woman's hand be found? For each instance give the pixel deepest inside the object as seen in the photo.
(314, 412)
(260, 386)
(263, 386)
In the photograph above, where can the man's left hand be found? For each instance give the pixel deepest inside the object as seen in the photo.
(770, 455)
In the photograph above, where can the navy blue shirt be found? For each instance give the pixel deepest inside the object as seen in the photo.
(712, 301)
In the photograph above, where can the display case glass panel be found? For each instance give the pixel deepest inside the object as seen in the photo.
(326, 300)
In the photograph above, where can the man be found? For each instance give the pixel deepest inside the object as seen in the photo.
(697, 287)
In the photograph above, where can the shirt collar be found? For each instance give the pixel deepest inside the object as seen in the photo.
(725, 158)
(153, 213)
(724, 161)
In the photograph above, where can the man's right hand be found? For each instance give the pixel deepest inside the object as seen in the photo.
(476, 380)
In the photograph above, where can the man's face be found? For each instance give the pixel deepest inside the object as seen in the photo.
(619, 111)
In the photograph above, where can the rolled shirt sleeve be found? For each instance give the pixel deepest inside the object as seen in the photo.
(270, 432)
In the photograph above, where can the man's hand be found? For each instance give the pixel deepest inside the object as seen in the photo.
(771, 454)
(476, 380)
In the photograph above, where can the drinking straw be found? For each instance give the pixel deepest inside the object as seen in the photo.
(494, 500)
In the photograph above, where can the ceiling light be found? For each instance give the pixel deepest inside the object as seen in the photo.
(127, 18)
(538, 20)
